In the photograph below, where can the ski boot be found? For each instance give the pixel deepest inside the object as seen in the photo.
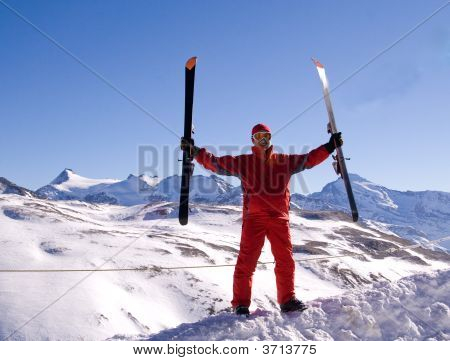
(292, 305)
(242, 310)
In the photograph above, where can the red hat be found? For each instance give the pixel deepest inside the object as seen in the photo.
(260, 128)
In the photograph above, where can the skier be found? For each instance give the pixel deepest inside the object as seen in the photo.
(264, 177)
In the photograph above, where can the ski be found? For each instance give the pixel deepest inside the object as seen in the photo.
(339, 163)
(188, 165)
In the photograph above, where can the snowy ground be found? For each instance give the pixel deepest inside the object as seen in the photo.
(414, 308)
(41, 234)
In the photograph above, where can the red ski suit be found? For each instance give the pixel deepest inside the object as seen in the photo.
(265, 179)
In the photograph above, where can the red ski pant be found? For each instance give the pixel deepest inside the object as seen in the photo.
(254, 231)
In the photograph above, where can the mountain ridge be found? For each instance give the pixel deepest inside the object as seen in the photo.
(416, 215)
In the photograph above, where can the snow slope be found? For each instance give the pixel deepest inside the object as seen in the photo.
(137, 190)
(70, 186)
(413, 215)
(417, 216)
(131, 191)
(8, 187)
(202, 189)
(413, 308)
(44, 234)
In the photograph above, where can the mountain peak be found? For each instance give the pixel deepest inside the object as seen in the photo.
(64, 176)
(5, 181)
(355, 177)
(143, 179)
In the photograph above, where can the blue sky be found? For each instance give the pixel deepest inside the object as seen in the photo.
(254, 66)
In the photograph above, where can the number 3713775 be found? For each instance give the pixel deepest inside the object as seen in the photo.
(289, 349)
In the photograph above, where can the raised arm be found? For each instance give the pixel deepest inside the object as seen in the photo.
(226, 165)
(299, 162)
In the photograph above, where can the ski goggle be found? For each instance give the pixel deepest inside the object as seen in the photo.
(260, 135)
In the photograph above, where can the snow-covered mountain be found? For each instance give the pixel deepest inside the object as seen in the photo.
(8, 187)
(70, 186)
(138, 190)
(417, 216)
(369, 283)
(203, 189)
(414, 215)
(131, 191)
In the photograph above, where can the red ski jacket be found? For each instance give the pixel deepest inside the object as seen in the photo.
(264, 176)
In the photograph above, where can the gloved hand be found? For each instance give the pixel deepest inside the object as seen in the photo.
(335, 141)
(189, 146)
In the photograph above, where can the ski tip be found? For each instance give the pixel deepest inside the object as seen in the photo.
(355, 216)
(317, 63)
(191, 63)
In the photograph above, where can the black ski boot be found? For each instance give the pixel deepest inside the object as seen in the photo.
(293, 305)
(242, 310)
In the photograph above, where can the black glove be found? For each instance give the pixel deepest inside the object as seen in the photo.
(335, 141)
(188, 145)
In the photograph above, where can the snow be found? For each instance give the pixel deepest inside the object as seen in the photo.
(69, 185)
(413, 215)
(414, 308)
(383, 197)
(202, 189)
(417, 216)
(69, 180)
(45, 234)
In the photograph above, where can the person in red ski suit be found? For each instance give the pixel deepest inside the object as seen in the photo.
(265, 177)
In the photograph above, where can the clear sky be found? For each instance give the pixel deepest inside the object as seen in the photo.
(254, 66)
